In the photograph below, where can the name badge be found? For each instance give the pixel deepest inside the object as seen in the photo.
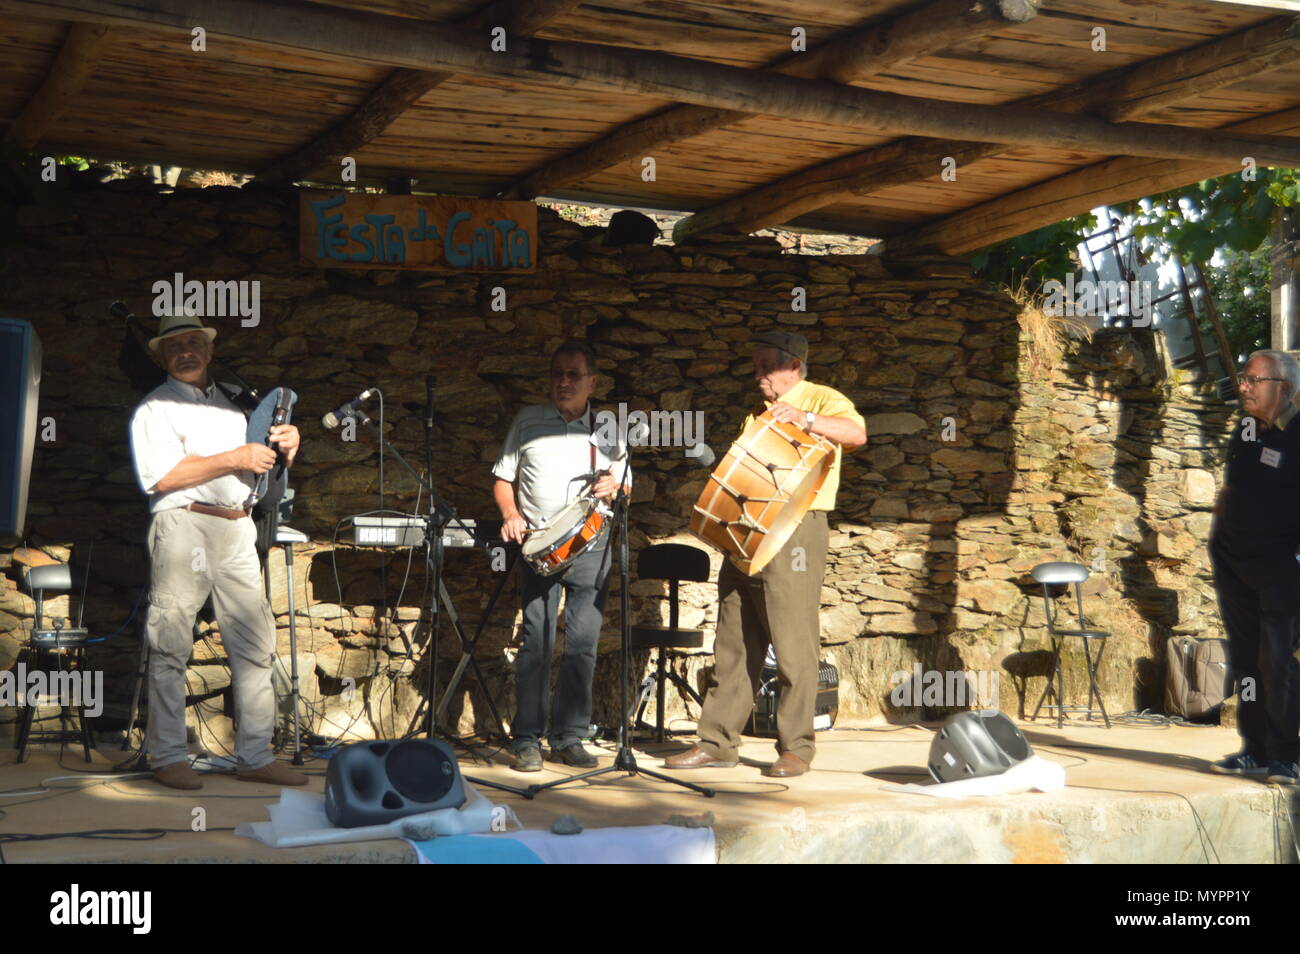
(1270, 457)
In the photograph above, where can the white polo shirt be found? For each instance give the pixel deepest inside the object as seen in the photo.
(548, 459)
(177, 420)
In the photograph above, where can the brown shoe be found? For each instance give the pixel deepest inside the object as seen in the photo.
(787, 766)
(272, 773)
(178, 775)
(696, 757)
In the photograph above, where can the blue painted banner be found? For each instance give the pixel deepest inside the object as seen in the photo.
(416, 232)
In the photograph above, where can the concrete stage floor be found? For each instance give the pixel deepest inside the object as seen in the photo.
(1134, 794)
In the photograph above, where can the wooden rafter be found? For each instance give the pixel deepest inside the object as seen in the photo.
(1120, 97)
(73, 66)
(376, 38)
(1111, 182)
(403, 88)
(854, 57)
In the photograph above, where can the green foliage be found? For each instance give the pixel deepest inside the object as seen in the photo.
(1241, 288)
(1031, 259)
(1225, 213)
(1228, 213)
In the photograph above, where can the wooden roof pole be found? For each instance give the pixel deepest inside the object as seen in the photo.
(73, 66)
(403, 88)
(1120, 96)
(394, 41)
(862, 53)
(1104, 183)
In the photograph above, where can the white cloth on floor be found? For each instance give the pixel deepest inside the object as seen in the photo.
(299, 819)
(1033, 774)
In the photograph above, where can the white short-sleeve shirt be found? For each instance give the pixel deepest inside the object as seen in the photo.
(548, 459)
(177, 420)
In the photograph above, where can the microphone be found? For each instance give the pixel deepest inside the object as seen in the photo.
(344, 411)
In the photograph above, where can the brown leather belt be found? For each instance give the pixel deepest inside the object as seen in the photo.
(211, 511)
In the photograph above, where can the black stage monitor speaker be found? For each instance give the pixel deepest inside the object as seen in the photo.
(975, 744)
(20, 384)
(374, 783)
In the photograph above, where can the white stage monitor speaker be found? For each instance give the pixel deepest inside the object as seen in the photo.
(20, 385)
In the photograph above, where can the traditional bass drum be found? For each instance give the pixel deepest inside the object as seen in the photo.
(572, 532)
(756, 497)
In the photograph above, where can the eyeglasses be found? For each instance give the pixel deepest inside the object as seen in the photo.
(1252, 380)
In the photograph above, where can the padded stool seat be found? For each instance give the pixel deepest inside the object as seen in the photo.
(664, 637)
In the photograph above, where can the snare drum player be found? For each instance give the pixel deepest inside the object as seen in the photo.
(552, 454)
(778, 605)
(192, 458)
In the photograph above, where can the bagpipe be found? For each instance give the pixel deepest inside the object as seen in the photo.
(263, 411)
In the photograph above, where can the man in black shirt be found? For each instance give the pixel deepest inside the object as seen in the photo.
(1253, 549)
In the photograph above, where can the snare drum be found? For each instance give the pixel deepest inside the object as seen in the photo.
(572, 532)
(760, 491)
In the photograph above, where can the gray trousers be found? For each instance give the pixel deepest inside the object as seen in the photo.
(778, 606)
(193, 555)
(584, 584)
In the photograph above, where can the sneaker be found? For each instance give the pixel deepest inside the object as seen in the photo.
(574, 755)
(527, 758)
(1242, 763)
(1283, 773)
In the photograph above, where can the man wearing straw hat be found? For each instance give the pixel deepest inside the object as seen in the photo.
(779, 605)
(191, 455)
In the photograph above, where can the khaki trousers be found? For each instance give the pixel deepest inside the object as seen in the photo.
(779, 605)
(194, 554)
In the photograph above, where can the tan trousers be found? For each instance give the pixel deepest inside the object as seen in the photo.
(778, 605)
(194, 554)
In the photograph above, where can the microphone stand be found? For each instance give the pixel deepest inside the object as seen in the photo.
(441, 514)
(625, 759)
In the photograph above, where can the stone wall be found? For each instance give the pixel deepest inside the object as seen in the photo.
(980, 463)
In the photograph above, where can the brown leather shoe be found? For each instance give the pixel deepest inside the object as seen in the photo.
(178, 775)
(273, 773)
(787, 766)
(696, 757)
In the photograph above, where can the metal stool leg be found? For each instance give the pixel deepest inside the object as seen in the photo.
(1052, 674)
(659, 697)
(1093, 666)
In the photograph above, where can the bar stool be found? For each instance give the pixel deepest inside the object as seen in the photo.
(58, 651)
(673, 562)
(1049, 574)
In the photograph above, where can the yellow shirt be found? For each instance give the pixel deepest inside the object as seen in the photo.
(806, 396)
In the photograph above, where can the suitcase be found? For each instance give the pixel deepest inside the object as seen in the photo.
(1198, 677)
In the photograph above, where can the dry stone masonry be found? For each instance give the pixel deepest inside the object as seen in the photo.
(982, 461)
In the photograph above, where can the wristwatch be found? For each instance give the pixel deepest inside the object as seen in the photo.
(809, 418)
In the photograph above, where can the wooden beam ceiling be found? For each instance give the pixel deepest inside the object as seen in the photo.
(882, 45)
(403, 88)
(76, 61)
(1119, 96)
(413, 44)
(1111, 182)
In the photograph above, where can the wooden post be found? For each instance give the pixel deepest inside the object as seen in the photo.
(1284, 310)
(73, 66)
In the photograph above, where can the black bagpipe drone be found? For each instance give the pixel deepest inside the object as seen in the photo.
(263, 411)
